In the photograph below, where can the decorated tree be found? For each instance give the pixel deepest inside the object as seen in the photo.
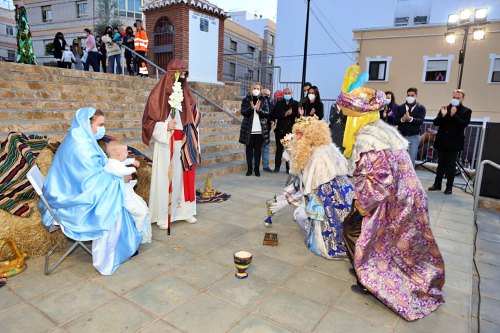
(25, 53)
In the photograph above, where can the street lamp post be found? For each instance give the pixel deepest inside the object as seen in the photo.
(304, 63)
(464, 21)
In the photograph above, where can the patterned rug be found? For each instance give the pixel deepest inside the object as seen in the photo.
(218, 197)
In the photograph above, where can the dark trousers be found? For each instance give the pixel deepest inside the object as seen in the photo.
(254, 151)
(92, 59)
(60, 64)
(103, 62)
(446, 166)
(67, 65)
(351, 229)
(279, 151)
(139, 61)
(130, 65)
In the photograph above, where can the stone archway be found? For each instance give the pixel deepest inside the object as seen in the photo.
(163, 36)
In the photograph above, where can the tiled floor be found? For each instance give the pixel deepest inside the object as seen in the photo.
(185, 282)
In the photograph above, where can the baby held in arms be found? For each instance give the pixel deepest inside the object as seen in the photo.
(118, 165)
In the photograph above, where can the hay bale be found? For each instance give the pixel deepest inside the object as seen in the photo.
(27, 232)
(143, 178)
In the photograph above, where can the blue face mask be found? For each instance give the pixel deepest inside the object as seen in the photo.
(101, 130)
(287, 97)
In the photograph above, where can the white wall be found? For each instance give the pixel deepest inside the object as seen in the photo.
(339, 18)
(203, 48)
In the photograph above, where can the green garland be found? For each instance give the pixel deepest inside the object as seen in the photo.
(25, 53)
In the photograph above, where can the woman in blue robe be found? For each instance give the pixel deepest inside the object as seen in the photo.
(88, 201)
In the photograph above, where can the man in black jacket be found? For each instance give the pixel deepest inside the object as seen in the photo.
(452, 121)
(409, 117)
(285, 112)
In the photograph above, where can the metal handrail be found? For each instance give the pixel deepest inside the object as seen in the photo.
(479, 176)
(159, 69)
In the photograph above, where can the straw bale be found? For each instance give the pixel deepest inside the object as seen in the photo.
(143, 178)
(27, 232)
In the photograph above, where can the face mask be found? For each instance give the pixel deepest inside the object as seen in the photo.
(455, 102)
(255, 92)
(311, 97)
(387, 101)
(181, 79)
(287, 97)
(410, 100)
(101, 130)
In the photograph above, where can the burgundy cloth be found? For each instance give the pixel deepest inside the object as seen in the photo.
(178, 135)
(157, 107)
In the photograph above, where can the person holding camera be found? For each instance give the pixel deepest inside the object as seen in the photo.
(452, 121)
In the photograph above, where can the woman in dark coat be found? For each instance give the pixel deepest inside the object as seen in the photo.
(59, 45)
(254, 127)
(312, 104)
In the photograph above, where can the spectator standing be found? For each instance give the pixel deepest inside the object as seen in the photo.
(68, 58)
(265, 148)
(141, 47)
(389, 110)
(78, 53)
(254, 128)
(103, 55)
(59, 45)
(285, 112)
(337, 126)
(452, 121)
(409, 117)
(112, 39)
(312, 104)
(92, 54)
(128, 41)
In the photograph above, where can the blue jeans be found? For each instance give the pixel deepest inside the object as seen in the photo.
(92, 59)
(265, 156)
(413, 146)
(111, 64)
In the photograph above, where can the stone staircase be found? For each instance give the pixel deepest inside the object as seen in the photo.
(43, 100)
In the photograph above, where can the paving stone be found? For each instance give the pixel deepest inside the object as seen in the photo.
(127, 277)
(224, 231)
(458, 280)
(29, 285)
(457, 303)
(24, 318)
(453, 225)
(271, 269)
(489, 309)
(8, 298)
(204, 313)
(292, 310)
(164, 259)
(245, 293)
(252, 323)
(67, 303)
(454, 235)
(162, 295)
(159, 327)
(337, 320)
(320, 287)
(489, 271)
(490, 288)
(446, 245)
(434, 322)
(338, 268)
(368, 307)
(116, 316)
(488, 327)
(201, 273)
(456, 262)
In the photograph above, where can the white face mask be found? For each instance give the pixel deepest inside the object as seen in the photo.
(410, 100)
(455, 102)
(311, 97)
(256, 92)
(387, 101)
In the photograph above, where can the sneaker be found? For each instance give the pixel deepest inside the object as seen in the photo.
(359, 289)
(191, 220)
(267, 170)
(434, 188)
(447, 191)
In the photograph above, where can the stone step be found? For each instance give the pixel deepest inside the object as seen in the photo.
(68, 115)
(69, 105)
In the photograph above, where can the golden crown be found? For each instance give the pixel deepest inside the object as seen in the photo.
(307, 120)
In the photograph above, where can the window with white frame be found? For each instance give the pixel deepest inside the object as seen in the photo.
(47, 13)
(130, 8)
(437, 69)
(378, 68)
(494, 74)
(9, 30)
(81, 9)
(271, 39)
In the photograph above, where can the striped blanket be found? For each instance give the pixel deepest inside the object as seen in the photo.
(17, 155)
